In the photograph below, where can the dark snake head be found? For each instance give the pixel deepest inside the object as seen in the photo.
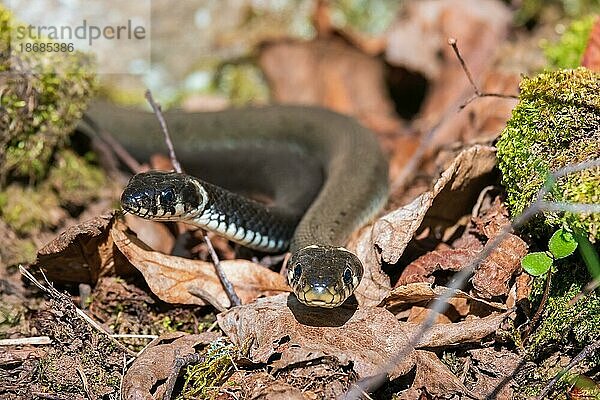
(163, 195)
(324, 276)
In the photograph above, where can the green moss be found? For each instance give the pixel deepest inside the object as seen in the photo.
(75, 180)
(242, 84)
(568, 51)
(554, 124)
(563, 325)
(42, 99)
(27, 211)
(202, 380)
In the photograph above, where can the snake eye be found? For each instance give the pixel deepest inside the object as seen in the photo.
(347, 276)
(297, 271)
(167, 197)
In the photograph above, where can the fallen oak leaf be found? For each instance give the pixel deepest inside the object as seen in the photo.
(421, 269)
(434, 378)
(283, 329)
(468, 331)
(83, 253)
(179, 280)
(155, 364)
(413, 293)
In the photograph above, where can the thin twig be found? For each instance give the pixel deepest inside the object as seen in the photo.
(589, 288)
(163, 124)
(587, 350)
(541, 307)
(440, 304)
(84, 381)
(478, 93)
(36, 340)
(227, 285)
(120, 151)
(56, 295)
(178, 365)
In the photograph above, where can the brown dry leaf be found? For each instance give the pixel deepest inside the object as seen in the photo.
(155, 234)
(82, 253)
(450, 198)
(332, 74)
(413, 293)
(591, 55)
(469, 331)
(155, 364)
(434, 378)
(493, 274)
(494, 371)
(280, 327)
(262, 385)
(420, 270)
(181, 280)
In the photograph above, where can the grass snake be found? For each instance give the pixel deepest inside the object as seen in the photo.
(319, 176)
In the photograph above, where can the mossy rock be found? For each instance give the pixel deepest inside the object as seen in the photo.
(43, 97)
(565, 323)
(556, 123)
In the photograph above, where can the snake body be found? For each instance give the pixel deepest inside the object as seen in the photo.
(324, 173)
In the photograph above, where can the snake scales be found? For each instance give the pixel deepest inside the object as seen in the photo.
(323, 173)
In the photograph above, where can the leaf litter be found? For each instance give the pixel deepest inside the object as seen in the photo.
(286, 350)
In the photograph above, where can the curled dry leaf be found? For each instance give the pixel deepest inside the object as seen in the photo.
(82, 253)
(492, 276)
(262, 386)
(297, 334)
(469, 331)
(386, 239)
(434, 378)
(155, 364)
(181, 280)
(421, 269)
(413, 293)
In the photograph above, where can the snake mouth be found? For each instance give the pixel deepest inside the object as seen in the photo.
(321, 296)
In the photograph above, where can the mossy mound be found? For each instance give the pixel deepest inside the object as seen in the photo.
(566, 322)
(555, 123)
(43, 96)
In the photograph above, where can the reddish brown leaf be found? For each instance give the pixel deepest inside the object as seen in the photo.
(471, 330)
(184, 281)
(492, 276)
(421, 269)
(591, 55)
(295, 333)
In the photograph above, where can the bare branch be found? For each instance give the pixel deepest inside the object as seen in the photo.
(163, 124)
(478, 93)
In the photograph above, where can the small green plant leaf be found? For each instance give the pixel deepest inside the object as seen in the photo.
(537, 263)
(562, 244)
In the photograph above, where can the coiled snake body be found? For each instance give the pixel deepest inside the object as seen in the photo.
(323, 173)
